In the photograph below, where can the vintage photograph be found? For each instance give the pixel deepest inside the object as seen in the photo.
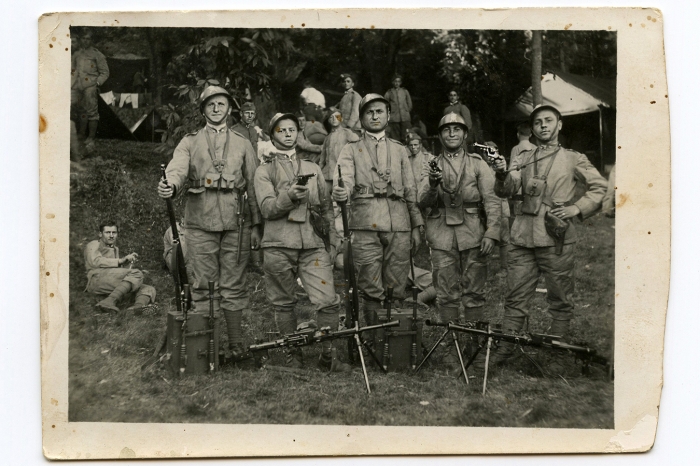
(218, 290)
(335, 233)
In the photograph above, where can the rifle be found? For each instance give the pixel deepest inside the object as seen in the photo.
(241, 220)
(352, 303)
(310, 336)
(414, 325)
(585, 354)
(212, 365)
(389, 299)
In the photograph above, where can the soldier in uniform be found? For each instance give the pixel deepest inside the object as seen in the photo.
(417, 156)
(401, 105)
(247, 128)
(219, 165)
(458, 235)
(384, 218)
(107, 276)
(292, 245)
(548, 175)
(349, 104)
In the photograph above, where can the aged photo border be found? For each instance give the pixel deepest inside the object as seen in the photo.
(642, 226)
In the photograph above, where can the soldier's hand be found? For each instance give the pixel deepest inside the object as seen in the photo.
(339, 194)
(255, 238)
(165, 190)
(499, 164)
(298, 193)
(566, 212)
(415, 240)
(487, 245)
(434, 178)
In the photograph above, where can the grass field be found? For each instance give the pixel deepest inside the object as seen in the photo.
(106, 351)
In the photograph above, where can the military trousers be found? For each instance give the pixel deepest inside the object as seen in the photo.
(524, 268)
(211, 255)
(86, 100)
(399, 129)
(282, 266)
(381, 260)
(104, 281)
(459, 276)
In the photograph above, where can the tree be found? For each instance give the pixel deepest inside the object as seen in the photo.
(536, 69)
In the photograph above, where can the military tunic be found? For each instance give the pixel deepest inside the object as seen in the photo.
(401, 106)
(382, 212)
(454, 229)
(533, 249)
(213, 198)
(349, 107)
(89, 70)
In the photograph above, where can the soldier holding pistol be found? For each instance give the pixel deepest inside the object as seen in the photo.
(456, 191)
(547, 175)
(218, 165)
(293, 200)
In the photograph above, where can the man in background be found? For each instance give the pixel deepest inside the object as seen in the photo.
(349, 105)
(459, 108)
(401, 106)
(247, 128)
(524, 144)
(89, 71)
(306, 150)
(107, 274)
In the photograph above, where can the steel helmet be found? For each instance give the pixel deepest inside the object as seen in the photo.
(371, 97)
(452, 119)
(542, 108)
(282, 116)
(213, 91)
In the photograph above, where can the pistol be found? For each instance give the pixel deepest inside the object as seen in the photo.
(490, 151)
(303, 180)
(434, 167)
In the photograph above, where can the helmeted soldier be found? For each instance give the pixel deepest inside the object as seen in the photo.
(547, 175)
(293, 245)
(462, 225)
(218, 165)
(384, 218)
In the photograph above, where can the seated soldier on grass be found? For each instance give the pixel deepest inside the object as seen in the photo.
(107, 276)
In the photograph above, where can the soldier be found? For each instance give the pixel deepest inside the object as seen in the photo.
(247, 128)
(401, 105)
(107, 276)
(349, 105)
(417, 156)
(306, 149)
(384, 217)
(292, 245)
(219, 165)
(455, 197)
(547, 175)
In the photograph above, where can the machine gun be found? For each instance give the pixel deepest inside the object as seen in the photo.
(585, 354)
(303, 180)
(309, 336)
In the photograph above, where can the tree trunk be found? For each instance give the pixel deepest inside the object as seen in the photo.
(156, 64)
(536, 68)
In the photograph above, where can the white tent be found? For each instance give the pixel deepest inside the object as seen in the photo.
(560, 92)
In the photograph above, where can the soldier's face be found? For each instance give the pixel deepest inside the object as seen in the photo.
(335, 119)
(375, 117)
(414, 146)
(452, 136)
(302, 122)
(453, 97)
(108, 235)
(348, 83)
(546, 126)
(284, 135)
(217, 109)
(397, 83)
(248, 117)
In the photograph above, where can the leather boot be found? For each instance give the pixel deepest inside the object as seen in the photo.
(142, 305)
(109, 304)
(506, 350)
(287, 323)
(558, 362)
(329, 359)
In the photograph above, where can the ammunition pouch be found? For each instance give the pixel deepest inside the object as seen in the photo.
(533, 194)
(367, 192)
(217, 181)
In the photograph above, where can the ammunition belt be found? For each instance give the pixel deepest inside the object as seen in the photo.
(368, 190)
(203, 184)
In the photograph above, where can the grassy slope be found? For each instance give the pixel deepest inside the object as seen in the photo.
(106, 351)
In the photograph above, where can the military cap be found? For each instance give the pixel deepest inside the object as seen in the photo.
(247, 106)
(413, 137)
(371, 97)
(282, 116)
(452, 119)
(542, 108)
(212, 91)
(349, 75)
